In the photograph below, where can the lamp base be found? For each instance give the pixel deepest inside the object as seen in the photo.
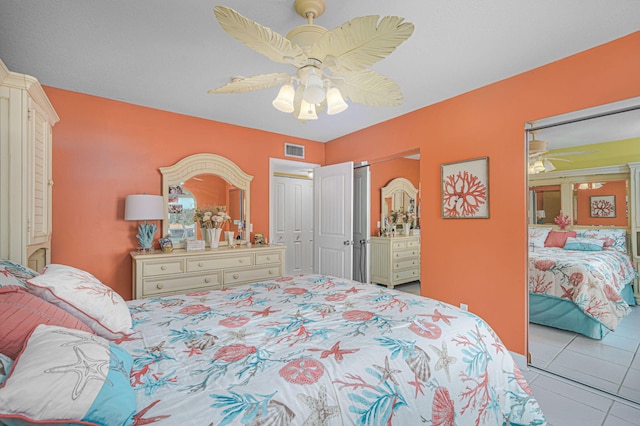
(145, 235)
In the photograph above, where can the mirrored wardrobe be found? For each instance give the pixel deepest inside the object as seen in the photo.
(584, 234)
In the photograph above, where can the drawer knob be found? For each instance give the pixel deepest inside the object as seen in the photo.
(241, 260)
(160, 286)
(235, 276)
(199, 264)
(207, 280)
(163, 268)
(268, 257)
(270, 272)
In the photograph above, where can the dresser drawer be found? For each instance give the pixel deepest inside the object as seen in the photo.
(266, 258)
(413, 243)
(403, 254)
(409, 275)
(251, 275)
(218, 262)
(181, 284)
(402, 264)
(398, 245)
(162, 267)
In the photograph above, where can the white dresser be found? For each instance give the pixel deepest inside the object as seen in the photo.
(26, 119)
(395, 260)
(181, 271)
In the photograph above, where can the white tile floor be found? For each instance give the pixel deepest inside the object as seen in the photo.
(567, 403)
(611, 364)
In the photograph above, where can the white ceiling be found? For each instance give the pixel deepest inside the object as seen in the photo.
(166, 54)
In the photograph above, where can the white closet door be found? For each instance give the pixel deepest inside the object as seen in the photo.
(333, 220)
(293, 202)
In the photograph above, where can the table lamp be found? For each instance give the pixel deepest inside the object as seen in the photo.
(144, 207)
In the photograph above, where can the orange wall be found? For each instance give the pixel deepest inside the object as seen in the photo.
(615, 188)
(381, 174)
(104, 150)
(482, 262)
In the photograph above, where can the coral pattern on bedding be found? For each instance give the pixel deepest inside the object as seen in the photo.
(317, 350)
(593, 280)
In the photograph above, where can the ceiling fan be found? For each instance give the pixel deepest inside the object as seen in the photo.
(331, 66)
(540, 159)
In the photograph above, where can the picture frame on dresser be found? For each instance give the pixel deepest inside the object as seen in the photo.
(465, 189)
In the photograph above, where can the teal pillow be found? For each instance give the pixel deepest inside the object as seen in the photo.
(584, 244)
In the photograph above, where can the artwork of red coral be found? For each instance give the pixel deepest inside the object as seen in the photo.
(463, 194)
(601, 207)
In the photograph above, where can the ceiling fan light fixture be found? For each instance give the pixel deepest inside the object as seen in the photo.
(307, 111)
(313, 91)
(335, 101)
(284, 101)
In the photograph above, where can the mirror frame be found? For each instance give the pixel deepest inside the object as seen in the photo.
(395, 185)
(212, 164)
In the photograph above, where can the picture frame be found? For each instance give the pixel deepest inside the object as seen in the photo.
(602, 206)
(258, 239)
(465, 189)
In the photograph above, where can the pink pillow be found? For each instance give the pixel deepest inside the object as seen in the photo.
(558, 238)
(21, 312)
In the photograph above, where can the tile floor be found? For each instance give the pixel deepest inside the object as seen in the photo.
(567, 403)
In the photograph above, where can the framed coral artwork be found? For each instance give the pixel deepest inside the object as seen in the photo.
(465, 189)
(602, 206)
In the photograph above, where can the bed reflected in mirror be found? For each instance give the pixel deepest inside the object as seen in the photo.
(584, 223)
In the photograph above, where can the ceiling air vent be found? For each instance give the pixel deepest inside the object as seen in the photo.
(291, 150)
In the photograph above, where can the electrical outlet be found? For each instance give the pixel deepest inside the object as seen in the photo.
(464, 307)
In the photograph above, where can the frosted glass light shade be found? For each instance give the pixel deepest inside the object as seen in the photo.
(307, 111)
(313, 92)
(335, 102)
(284, 101)
(144, 207)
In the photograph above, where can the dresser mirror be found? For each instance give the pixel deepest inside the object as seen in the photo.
(399, 206)
(203, 180)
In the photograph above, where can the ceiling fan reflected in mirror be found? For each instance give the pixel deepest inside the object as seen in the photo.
(332, 67)
(540, 157)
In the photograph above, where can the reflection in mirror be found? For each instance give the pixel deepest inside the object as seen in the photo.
(546, 200)
(200, 181)
(584, 322)
(399, 212)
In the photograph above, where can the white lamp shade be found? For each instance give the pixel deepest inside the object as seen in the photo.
(144, 207)
(313, 91)
(307, 111)
(335, 102)
(284, 101)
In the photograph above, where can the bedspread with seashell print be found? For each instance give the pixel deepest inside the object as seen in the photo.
(592, 280)
(317, 350)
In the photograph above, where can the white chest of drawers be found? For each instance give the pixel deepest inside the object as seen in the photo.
(181, 271)
(395, 260)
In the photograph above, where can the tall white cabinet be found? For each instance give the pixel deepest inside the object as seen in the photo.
(26, 121)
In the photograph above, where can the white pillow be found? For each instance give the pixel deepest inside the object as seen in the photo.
(67, 376)
(537, 237)
(85, 297)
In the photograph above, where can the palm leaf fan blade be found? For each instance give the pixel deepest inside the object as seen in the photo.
(249, 84)
(369, 87)
(362, 41)
(259, 38)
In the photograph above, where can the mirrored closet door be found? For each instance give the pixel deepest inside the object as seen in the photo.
(583, 245)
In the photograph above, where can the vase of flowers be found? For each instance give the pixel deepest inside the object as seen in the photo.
(211, 220)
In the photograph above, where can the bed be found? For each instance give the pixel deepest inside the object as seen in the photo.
(578, 285)
(312, 350)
